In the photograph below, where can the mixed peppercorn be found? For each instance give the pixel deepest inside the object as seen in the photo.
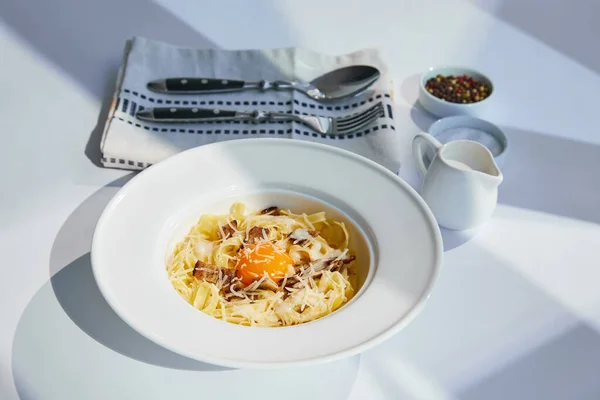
(458, 89)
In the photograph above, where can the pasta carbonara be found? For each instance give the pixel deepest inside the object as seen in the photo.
(269, 268)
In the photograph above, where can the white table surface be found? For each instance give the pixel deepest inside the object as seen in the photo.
(516, 311)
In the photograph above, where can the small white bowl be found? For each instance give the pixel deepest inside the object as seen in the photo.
(493, 138)
(443, 108)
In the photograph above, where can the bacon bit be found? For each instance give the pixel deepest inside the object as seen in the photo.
(337, 264)
(229, 229)
(256, 234)
(202, 270)
(273, 210)
(211, 273)
(316, 269)
(229, 273)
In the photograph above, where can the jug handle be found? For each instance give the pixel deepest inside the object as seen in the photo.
(418, 141)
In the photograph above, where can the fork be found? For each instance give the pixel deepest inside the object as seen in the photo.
(323, 125)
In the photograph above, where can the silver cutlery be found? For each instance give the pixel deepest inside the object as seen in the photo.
(336, 85)
(324, 125)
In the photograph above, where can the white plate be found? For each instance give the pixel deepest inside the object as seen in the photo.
(396, 238)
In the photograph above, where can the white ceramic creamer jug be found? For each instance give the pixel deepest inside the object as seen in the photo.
(460, 185)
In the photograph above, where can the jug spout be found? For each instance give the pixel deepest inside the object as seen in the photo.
(492, 175)
(491, 181)
(465, 155)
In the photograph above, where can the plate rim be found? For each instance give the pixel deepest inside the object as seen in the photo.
(368, 343)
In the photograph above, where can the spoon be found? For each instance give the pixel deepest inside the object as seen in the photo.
(333, 86)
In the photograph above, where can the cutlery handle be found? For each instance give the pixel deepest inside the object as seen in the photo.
(209, 85)
(172, 114)
(202, 85)
(191, 115)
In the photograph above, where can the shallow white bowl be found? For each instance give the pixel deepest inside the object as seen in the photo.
(465, 121)
(443, 108)
(398, 245)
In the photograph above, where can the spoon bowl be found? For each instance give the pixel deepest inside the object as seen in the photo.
(343, 83)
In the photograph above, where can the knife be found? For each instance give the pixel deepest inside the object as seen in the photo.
(324, 125)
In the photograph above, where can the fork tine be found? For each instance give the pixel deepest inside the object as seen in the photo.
(358, 124)
(358, 115)
(365, 119)
(359, 118)
(367, 116)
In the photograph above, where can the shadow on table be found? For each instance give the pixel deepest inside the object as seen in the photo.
(72, 346)
(543, 173)
(551, 175)
(488, 332)
(78, 294)
(93, 146)
(566, 26)
(76, 290)
(409, 90)
(546, 174)
(564, 368)
(453, 239)
(69, 343)
(89, 47)
(86, 39)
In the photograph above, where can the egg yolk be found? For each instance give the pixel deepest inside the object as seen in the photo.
(261, 258)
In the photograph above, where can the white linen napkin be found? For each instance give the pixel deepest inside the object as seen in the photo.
(129, 143)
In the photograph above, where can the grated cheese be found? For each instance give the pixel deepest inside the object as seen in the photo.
(309, 293)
